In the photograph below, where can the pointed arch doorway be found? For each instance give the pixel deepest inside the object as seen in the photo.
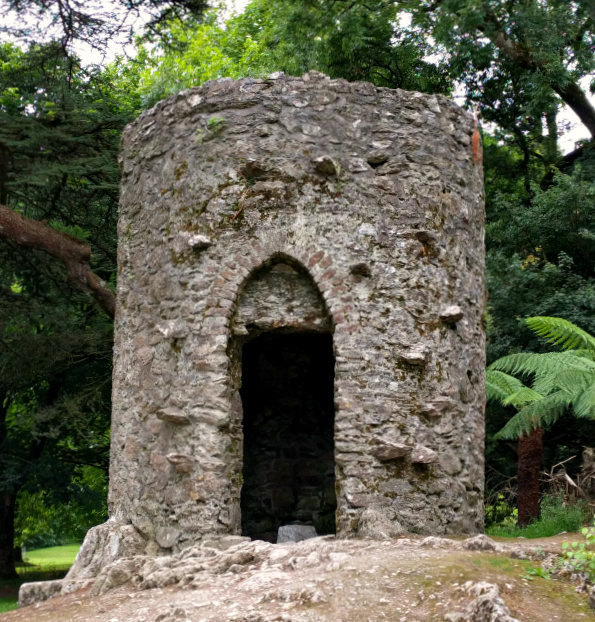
(287, 396)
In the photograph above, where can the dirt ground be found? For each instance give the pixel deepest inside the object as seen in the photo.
(344, 581)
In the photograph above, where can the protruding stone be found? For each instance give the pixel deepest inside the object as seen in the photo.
(452, 314)
(423, 455)
(182, 462)
(385, 450)
(199, 242)
(173, 329)
(416, 355)
(31, 593)
(295, 533)
(325, 165)
(358, 165)
(481, 542)
(376, 157)
(437, 407)
(173, 415)
(167, 536)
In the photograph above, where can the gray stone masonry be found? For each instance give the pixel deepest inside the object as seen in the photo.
(297, 204)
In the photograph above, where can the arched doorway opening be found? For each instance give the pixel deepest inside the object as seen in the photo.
(283, 368)
(288, 429)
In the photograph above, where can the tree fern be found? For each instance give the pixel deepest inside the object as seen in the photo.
(537, 414)
(559, 380)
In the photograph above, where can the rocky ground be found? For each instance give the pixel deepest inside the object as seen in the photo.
(325, 579)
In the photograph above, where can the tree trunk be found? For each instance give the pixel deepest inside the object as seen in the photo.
(530, 455)
(7, 512)
(18, 554)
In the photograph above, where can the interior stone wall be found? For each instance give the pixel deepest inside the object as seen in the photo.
(377, 196)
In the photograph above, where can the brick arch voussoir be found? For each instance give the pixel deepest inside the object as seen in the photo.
(314, 261)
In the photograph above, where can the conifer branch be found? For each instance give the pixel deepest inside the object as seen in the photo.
(74, 254)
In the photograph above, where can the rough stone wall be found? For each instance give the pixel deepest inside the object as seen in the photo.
(377, 196)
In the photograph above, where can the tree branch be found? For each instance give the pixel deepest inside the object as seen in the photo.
(569, 91)
(74, 254)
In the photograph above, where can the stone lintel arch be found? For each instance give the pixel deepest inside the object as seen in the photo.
(314, 262)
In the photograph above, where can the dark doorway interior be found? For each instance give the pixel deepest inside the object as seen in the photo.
(288, 402)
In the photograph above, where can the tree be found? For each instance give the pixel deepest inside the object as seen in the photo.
(70, 21)
(271, 36)
(60, 126)
(550, 43)
(561, 381)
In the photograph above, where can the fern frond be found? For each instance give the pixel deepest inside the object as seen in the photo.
(499, 385)
(572, 380)
(522, 397)
(561, 333)
(539, 413)
(528, 363)
(584, 406)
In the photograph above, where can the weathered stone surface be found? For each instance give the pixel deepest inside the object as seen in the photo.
(182, 462)
(173, 415)
(166, 537)
(39, 591)
(104, 544)
(488, 605)
(373, 523)
(295, 533)
(284, 238)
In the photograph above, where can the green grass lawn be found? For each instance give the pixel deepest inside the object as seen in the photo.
(55, 556)
(40, 565)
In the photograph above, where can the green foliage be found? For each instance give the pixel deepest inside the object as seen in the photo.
(353, 43)
(39, 523)
(560, 380)
(581, 555)
(555, 517)
(54, 557)
(8, 604)
(60, 127)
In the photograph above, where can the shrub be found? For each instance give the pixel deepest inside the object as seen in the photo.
(555, 517)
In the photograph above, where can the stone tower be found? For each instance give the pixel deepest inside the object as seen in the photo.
(299, 327)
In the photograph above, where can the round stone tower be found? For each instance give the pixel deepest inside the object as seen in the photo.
(299, 329)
